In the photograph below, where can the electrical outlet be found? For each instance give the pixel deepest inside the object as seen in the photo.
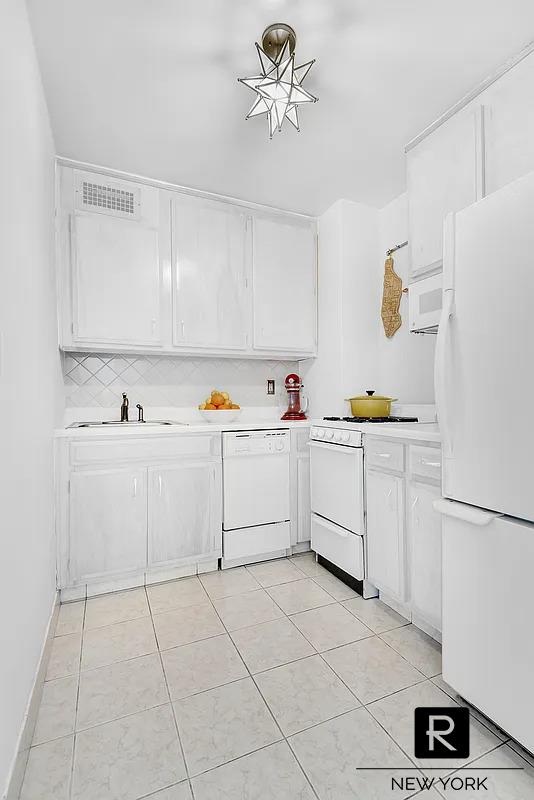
(270, 386)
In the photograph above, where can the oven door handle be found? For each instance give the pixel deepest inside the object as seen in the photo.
(329, 445)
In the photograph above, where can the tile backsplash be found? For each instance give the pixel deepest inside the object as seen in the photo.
(95, 379)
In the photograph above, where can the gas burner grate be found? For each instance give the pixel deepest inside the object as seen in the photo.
(370, 419)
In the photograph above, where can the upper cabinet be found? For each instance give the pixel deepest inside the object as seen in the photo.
(144, 269)
(284, 281)
(442, 177)
(112, 276)
(508, 125)
(477, 147)
(210, 274)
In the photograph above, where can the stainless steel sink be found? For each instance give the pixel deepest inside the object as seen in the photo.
(124, 424)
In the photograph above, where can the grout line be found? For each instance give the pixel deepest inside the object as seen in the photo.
(74, 742)
(169, 696)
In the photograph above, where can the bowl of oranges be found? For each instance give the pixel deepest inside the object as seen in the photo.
(219, 408)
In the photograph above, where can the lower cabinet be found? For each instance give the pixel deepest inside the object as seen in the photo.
(403, 532)
(107, 523)
(425, 553)
(385, 533)
(132, 510)
(184, 518)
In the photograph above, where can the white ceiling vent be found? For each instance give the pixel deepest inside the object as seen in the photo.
(118, 200)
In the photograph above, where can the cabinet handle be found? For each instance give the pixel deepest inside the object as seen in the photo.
(134, 488)
(389, 493)
(182, 326)
(383, 455)
(416, 500)
(153, 326)
(159, 484)
(427, 463)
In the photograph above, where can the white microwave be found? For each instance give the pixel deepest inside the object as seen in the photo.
(425, 301)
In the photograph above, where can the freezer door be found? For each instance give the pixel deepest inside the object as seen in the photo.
(485, 352)
(488, 607)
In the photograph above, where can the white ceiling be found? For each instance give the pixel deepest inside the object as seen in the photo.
(150, 87)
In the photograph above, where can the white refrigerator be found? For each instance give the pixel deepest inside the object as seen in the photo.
(485, 394)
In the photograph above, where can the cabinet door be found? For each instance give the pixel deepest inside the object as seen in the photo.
(210, 275)
(425, 546)
(184, 512)
(107, 531)
(385, 533)
(284, 276)
(442, 177)
(304, 507)
(508, 125)
(116, 281)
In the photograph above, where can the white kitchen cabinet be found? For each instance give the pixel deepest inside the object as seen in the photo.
(508, 125)
(425, 552)
(184, 512)
(211, 263)
(443, 173)
(386, 551)
(145, 269)
(284, 284)
(116, 281)
(107, 523)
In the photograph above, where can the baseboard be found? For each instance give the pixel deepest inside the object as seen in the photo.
(18, 767)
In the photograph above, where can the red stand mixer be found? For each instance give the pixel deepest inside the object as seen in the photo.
(294, 386)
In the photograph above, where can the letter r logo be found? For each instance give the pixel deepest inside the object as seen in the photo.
(441, 732)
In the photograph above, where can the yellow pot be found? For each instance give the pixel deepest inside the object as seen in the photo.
(370, 405)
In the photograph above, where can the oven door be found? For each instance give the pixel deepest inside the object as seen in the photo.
(337, 484)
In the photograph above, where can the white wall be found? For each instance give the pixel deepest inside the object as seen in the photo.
(354, 354)
(30, 379)
(348, 328)
(406, 361)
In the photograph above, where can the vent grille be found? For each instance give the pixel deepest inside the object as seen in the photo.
(108, 198)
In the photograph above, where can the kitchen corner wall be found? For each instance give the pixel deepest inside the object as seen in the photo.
(406, 361)
(30, 384)
(354, 353)
(92, 379)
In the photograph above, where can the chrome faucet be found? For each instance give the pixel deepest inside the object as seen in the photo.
(124, 407)
(141, 415)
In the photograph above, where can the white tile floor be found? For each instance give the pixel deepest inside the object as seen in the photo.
(272, 682)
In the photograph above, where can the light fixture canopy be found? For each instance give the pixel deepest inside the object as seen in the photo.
(279, 87)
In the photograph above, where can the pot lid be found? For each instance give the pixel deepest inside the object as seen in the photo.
(370, 395)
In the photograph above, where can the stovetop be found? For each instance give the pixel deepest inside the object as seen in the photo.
(371, 419)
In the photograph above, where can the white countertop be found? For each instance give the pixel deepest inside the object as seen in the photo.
(191, 419)
(419, 431)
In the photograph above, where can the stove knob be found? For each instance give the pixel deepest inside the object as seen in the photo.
(329, 434)
(319, 433)
(346, 436)
(338, 437)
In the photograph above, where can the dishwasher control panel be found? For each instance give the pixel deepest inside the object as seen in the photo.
(243, 443)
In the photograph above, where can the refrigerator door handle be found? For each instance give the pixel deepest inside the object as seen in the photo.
(467, 513)
(440, 376)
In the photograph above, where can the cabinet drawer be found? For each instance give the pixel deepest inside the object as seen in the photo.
(425, 462)
(341, 547)
(386, 455)
(149, 449)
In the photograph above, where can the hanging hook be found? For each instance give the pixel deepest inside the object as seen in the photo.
(397, 247)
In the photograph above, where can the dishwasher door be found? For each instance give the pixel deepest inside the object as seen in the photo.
(255, 478)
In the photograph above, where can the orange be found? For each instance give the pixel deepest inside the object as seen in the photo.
(233, 405)
(217, 399)
(210, 407)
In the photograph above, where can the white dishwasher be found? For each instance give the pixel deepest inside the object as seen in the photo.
(256, 495)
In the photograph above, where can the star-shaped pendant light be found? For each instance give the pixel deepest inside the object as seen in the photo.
(279, 87)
